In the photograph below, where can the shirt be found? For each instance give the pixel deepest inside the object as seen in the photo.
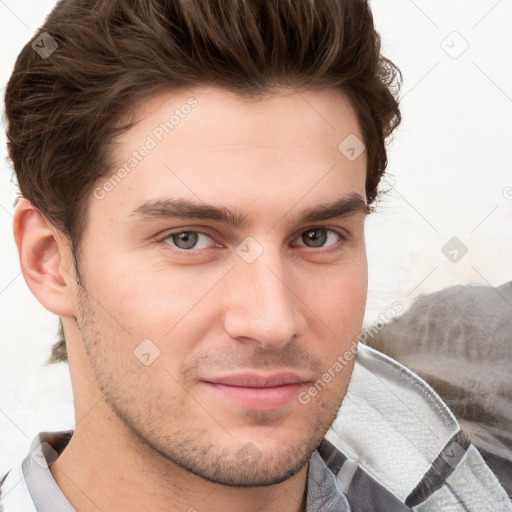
(393, 447)
(30, 486)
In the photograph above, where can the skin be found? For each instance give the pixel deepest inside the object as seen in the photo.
(157, 437)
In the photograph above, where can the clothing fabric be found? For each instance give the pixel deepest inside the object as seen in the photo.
(394, 447)
(30, 487)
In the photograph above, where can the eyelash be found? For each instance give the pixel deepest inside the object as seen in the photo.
(192, 252)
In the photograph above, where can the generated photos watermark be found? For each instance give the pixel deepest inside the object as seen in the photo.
(152, 140)
(344, 359)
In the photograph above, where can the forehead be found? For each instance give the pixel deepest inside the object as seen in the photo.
(209, 145)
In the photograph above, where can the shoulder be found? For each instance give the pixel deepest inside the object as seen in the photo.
(399, 435)
(14, 493)
(29, 486)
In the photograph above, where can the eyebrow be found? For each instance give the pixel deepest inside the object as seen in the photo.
(187, 209)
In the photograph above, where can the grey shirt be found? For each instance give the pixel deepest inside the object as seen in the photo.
(30, 487)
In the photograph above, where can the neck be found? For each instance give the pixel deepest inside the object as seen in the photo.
(100, 470)
(97, 471)
(106, 467)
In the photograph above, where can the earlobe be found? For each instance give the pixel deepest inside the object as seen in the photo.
(45, 259)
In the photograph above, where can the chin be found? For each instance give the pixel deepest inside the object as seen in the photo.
(250, 468)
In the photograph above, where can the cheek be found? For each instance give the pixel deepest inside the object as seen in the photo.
(338, 294)
(337, 304)
(156, 303)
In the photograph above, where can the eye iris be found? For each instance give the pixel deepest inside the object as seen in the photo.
(185, 239)
(317, 237)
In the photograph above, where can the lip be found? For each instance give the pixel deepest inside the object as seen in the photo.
(259, 380)
(258, 391)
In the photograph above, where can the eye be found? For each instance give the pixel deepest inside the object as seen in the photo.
(187, 240)
(318, 237)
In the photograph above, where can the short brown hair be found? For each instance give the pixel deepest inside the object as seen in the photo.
(64, 108)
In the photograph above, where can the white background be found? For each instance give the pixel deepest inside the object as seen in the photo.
(450, 175)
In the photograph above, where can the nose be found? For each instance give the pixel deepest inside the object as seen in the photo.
(261, 306)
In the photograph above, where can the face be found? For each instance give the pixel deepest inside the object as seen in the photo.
(224, 278)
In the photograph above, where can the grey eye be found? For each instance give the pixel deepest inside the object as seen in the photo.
(185, 239)
(314, 237)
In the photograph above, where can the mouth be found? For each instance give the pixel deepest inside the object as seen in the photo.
(258, 391)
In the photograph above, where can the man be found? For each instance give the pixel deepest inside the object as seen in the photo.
(195, 179)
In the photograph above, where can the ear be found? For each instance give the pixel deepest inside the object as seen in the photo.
(45, 258)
